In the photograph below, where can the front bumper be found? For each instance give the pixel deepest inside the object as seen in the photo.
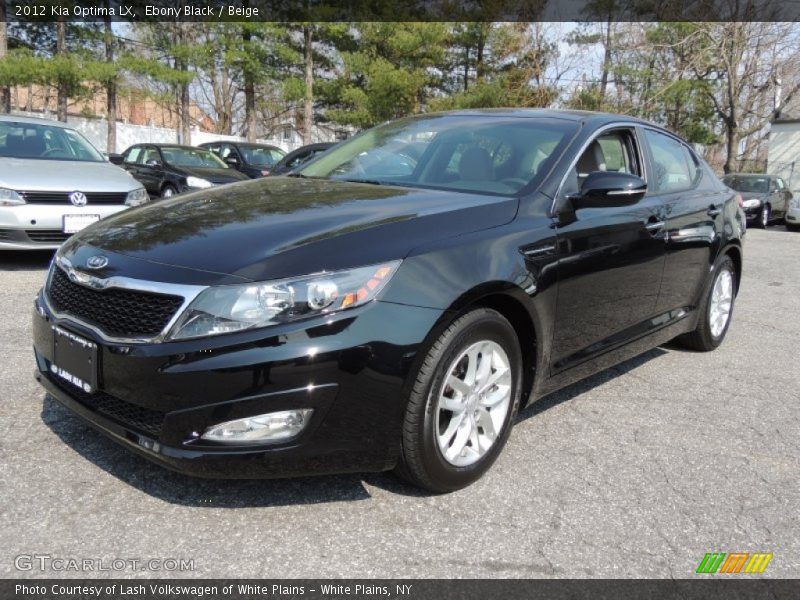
(793, 216)
(157, 399)
(40, 226)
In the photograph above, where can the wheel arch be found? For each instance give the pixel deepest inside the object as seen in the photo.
(515, 305)
(734, 251)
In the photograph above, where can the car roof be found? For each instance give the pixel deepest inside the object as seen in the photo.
(750, 175)
(34, 121)
(168, 145)
(543, 113)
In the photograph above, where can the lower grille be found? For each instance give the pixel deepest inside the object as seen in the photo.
(5, 235)
(143, 420)
(117, 312)
(47, 235)
(32, 197)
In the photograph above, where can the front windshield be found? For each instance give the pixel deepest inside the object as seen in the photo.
(45, 142)
(261, 156)
(474, 153)
(756, 185)
(191, 157)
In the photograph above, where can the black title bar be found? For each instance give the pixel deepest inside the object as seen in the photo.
(403, 10)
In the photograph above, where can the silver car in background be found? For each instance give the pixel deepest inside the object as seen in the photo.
(53, 183)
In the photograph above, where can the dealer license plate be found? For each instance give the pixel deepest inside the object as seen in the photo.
(74, 359)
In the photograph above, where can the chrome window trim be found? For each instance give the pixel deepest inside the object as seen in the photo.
(632, 125)
(187, 292)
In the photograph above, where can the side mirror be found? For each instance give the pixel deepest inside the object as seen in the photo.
(608, 189)
(153, 162)
(115, 159)
(232, 161)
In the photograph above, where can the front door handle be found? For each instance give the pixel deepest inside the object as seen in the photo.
(654, 226)
(713, 210)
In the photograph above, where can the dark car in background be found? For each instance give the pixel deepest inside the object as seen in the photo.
(393, 303)
(168, 169)
(302, 155)
(254, 160)
(765, 198)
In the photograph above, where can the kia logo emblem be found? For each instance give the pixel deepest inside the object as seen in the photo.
(97, 262)
(78, 199)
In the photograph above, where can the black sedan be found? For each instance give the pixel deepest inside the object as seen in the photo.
(368, 313)
(302, 155)
(168, 169)
(765, 198)
(254, 160)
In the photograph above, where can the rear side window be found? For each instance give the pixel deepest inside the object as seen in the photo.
(674, 167)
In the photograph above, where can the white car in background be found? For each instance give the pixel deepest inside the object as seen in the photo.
(53, 183)
(793, 213)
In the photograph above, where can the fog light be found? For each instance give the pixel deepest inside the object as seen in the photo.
(271, 427)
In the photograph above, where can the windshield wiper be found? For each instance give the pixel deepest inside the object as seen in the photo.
(300, 175)
(368, 181)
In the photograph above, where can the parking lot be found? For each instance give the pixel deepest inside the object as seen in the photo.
(636, 472)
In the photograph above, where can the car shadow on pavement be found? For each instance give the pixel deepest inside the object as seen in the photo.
(176, 488)
(29, 260)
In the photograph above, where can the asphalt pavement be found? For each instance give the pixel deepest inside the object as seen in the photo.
(636, 472)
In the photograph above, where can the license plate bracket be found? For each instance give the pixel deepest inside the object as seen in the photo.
(75, 360)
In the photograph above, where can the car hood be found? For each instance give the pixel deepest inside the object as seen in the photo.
(280, 227)
(64, 175)
(213, 175)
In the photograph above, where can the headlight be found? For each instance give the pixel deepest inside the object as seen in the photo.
(198, 182)
(752, 203)
(137, 197)
(229, 308)
(10, 198)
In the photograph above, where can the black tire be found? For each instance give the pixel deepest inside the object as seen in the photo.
(792, 227)
(702, 338)
(422, 462)
(764, 217)
(168, 191)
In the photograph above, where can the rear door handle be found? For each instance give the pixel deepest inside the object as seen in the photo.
(713, 210)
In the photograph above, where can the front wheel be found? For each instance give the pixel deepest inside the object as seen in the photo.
(168, 191)
(764, 217)
(717, 309)
(461, 408)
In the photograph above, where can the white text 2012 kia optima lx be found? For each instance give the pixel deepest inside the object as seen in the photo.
(53, 183)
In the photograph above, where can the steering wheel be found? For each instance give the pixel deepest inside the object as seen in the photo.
(49, 152)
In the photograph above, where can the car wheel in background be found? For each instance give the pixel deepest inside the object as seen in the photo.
(716, 310)
(463, 403)
(168, 191)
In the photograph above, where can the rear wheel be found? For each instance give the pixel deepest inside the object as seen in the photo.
(717, 309)
(461, 408)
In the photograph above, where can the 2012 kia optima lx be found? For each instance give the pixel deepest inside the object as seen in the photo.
(394, 302)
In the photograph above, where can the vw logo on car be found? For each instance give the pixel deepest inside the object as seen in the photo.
(78, 199)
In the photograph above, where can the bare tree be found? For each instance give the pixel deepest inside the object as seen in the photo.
(5, 95)
(111, 86)
(308, 101)
(61, 51)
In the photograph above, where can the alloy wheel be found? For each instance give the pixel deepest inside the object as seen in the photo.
(473, 403)
(719, 310)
